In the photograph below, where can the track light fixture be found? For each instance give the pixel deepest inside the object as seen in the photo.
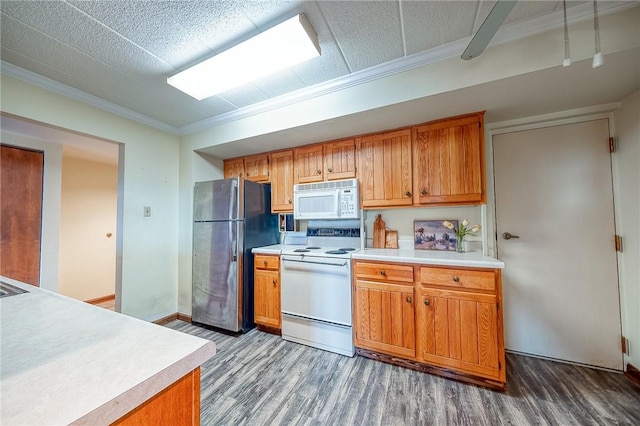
(567, 55)
(598, 60)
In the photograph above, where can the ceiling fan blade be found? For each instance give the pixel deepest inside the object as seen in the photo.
(488, 28)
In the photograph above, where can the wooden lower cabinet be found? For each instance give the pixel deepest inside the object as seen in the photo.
(448, 321)
(385, 317)
(459, 331)
(178, 404)
(266, 288)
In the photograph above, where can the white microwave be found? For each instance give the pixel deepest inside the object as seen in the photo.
(338, 199)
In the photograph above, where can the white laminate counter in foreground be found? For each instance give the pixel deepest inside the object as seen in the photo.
(64, 361)
(429, 257)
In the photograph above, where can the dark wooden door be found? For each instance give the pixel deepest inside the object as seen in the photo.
(21, 213)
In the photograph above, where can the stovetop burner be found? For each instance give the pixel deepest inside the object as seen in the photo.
(346, 248)
(301, 250)
(339, 251)
(313, 248)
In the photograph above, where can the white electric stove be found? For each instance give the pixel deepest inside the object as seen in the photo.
(316, 295)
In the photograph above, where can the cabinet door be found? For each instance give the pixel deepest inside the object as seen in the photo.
(256, 168)
(448, 161)
(308, 164)
(282, 182)
(460, 330)
(267, 298)
(384, 318)
(340, 159)
(233, 168)
(384, 169)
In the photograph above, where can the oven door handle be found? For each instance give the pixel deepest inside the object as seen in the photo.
(315, 263)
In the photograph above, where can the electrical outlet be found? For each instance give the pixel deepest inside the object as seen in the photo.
(147, 211)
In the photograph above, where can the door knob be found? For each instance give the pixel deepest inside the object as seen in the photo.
(508, 236)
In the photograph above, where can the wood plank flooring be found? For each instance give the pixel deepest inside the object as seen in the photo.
(260, 379)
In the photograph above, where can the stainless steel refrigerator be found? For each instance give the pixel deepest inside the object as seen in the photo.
(230, 217)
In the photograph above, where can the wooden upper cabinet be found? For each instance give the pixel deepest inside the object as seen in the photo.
(282, 181)
(340, 159)
(256, 167)
(448, 161)
(233, 168)
(308, 164)
(384, 169)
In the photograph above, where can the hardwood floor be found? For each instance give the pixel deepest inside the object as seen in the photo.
(260, 379)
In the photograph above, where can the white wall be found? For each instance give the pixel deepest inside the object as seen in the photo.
(50, 204)
(627, 203)
(149, 246)
(88, 214)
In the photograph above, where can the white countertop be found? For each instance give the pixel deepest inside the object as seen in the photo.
(426, 257)
(274, 249)
(429, 257)
(64, 361)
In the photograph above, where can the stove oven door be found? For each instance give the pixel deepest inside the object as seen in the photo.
(316, 288)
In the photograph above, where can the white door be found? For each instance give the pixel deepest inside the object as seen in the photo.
(560, 284)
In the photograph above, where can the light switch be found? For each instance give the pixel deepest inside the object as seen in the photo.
(147, 211)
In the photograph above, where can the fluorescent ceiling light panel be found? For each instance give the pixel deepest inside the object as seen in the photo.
(280, 47)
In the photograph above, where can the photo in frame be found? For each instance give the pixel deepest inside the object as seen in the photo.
(433, 235)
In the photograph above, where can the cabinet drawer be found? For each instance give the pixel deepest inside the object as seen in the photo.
(459, 278)
(267, 262)
(384, 272)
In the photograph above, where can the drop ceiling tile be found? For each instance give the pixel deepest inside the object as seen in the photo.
(428, 24)
(178, 32)
(367, 32)
(76, 30)
(243, 96)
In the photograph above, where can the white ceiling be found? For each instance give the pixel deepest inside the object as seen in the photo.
(121, 52)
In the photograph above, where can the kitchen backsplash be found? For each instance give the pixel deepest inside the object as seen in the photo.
(402, 220)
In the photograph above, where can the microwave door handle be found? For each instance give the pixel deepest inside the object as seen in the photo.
(337, 203)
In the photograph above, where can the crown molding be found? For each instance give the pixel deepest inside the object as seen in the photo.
(78, 95)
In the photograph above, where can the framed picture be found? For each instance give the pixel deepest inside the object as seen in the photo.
(433, 235)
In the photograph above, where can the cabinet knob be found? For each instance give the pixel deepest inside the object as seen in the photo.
(265, 262)
(408, 193)
(289, 200)
(383, 273)
(248, 174)
(426, 302)
(409, 299)
(275, 282)
(424, 192)
(456, 278)
(319, 171)
(329, 170)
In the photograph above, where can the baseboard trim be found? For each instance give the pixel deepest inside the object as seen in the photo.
(632, 373)
(173, 317)
(102, 299)
(184, 317)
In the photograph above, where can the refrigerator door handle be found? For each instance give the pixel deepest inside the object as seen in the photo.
(233, 200)
(234, 241)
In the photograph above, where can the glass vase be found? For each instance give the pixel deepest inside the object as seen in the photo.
(460, 245)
